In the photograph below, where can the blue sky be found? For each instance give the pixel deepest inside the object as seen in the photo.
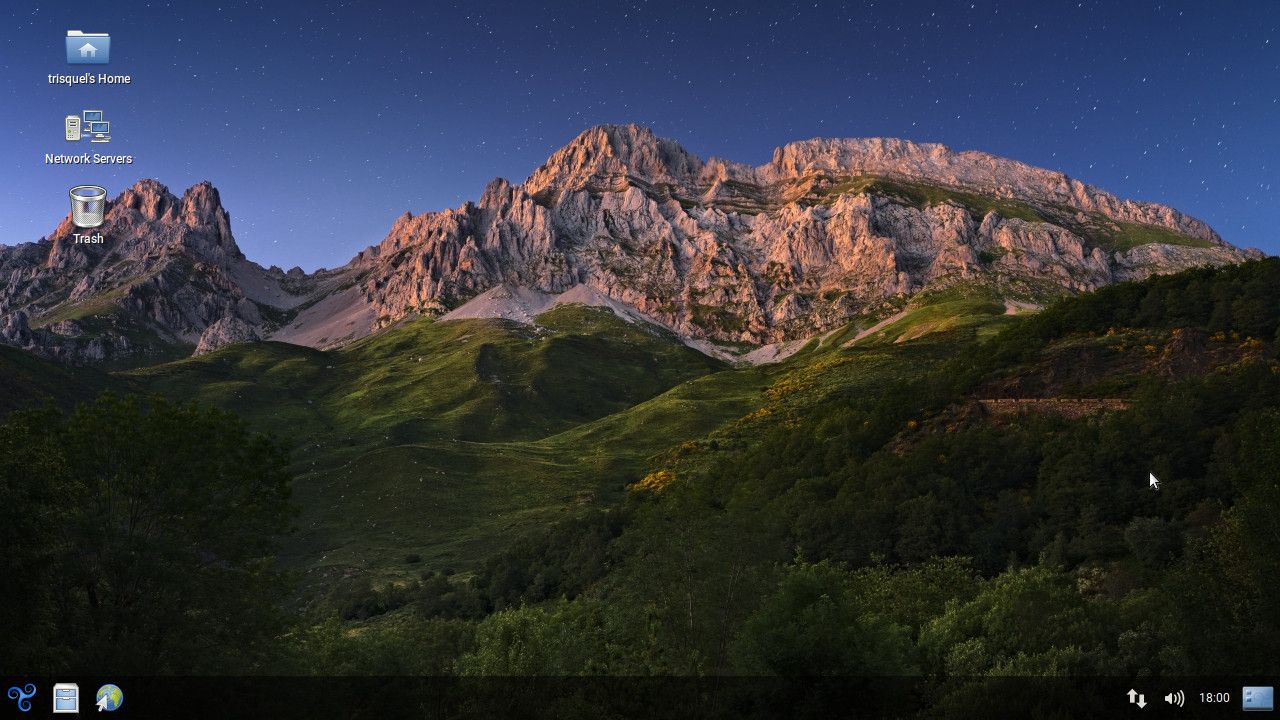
(320, 122)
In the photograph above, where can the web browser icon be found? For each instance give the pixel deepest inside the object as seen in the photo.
(88, 48)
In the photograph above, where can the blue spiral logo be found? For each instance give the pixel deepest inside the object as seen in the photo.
(23, 695)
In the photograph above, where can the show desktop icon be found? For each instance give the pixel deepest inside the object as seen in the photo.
(1258, 698)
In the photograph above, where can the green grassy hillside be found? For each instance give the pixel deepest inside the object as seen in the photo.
(443, 440)
(26, 381)
(432, 445)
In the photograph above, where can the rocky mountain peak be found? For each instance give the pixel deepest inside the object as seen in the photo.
(496, 194)
(202, 205)
(971, 171)
(829, 231)
(857, 155)
(166, 268)
(611, 158)
(148, 217)
(151, 200)
(606, 157)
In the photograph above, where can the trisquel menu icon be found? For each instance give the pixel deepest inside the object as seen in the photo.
(22, 696)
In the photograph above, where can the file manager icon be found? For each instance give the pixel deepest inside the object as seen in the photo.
(88, 48)
(66, 698)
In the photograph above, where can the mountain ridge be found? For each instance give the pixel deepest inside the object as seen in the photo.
(722, 253)
(871, 156)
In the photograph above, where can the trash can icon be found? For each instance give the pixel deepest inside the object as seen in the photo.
(88, 205)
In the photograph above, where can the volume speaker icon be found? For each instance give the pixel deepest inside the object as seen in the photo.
(1177, 698)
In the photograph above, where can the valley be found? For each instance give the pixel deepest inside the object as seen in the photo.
(449, 440)
(446, 441)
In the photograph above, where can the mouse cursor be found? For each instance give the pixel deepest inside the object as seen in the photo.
(1153, 482)
(102, 702)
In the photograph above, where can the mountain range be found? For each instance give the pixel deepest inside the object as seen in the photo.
(729, 257)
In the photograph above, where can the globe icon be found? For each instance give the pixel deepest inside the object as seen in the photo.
(109, 698)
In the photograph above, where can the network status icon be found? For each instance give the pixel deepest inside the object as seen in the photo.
(88, 48)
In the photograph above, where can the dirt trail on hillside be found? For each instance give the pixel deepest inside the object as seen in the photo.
(878, 326)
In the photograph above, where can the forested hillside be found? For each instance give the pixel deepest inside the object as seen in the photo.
(848, 529)
(863, 514)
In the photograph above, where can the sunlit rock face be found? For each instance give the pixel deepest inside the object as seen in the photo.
(827, 231)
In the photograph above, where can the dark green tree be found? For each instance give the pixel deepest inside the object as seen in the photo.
(142, 539)
(813, 625)
(1224, 596)
(1031, 621)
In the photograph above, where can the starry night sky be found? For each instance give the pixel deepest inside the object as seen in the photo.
(320, 122)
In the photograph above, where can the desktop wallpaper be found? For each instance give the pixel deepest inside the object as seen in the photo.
(765, 356)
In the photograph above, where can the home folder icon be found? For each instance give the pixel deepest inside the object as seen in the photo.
(88, 48)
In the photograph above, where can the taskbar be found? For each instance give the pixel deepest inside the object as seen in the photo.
(635, 697)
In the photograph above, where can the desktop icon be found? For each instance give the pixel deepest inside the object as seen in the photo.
(89, 123)
(88, 48)
(110, 698)
(88, 206)
(66, 698)
(1257, 698)
(22, 695)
